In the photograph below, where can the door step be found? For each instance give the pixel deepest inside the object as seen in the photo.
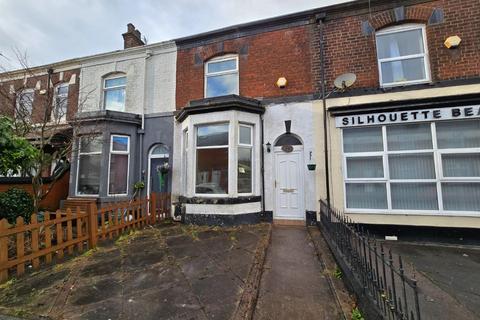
(287, 222)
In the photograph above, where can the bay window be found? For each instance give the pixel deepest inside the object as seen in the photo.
(89, 163)
(212, 159)
(429, 167)
(114, 93)
(402, 55)
(118, 166)
(245, 144)
(219, 158)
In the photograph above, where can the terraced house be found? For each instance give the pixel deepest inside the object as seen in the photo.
(371, 106)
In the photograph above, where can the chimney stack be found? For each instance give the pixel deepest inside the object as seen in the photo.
(132, 38)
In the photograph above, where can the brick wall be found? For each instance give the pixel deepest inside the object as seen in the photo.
(7, 99)
(263, 58)
(349, 49)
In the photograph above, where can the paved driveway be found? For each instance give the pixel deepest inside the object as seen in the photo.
(449, 278)
(172, 272)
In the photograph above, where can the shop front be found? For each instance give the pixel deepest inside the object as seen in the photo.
(410, 166)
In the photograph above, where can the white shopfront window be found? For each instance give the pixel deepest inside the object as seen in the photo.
(426, 167)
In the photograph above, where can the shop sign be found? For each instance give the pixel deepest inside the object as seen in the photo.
(371, 119)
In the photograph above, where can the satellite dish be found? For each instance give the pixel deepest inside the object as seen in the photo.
(345, 81)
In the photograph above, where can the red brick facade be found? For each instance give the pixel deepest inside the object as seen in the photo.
(294, 52)
(263, 58)
(7, 97)
(349, 49)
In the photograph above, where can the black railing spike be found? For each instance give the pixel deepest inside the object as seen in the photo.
(354, 244)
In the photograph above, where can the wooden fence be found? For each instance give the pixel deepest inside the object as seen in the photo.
(40, 243)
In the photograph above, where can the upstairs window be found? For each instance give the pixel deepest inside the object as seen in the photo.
(114, 93)
(60, 103)
(221, 76)
(24, 104)
(402, 55)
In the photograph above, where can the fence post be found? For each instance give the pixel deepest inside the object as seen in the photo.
(3, 251)
(153, 207)
(92, 225)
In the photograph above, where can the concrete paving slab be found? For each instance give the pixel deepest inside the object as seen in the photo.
(448, 278)
(169, 272)
(293, 284)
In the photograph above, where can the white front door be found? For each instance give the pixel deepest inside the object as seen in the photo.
(289, 202)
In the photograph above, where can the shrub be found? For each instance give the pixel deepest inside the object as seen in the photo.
(16, 203)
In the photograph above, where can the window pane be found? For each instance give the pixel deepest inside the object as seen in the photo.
(24, 104)
(400, 44)
(119, 143)
(414, 196)
(118, 174)
(212, 171)
(409, 137)
(245, 135)
(115, 82)
(366, 195)
(222, 85)
(458, 134)
(115, 99)
(212, 135)
(288, 139)
(61, 105)
(91, 144)
(365, 167)
(461, 196)
(62, 90)
(89, 174)
(411, 166)
(403, 70)
(362, 140)
(461, 165)
(222, 65)
(244, 170)
(160, 150)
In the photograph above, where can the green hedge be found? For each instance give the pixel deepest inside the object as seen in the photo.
(16, 203)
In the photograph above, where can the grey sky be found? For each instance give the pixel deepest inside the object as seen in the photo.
(54, 30)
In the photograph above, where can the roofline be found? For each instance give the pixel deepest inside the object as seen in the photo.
(75, 63)
(345, 9)
(330, 12)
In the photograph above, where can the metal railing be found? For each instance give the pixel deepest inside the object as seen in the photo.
(375, 274)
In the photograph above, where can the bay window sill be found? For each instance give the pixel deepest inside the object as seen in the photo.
(219, 200)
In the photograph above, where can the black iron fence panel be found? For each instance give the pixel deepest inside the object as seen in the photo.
(378, 276)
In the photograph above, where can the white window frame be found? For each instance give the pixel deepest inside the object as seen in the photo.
(185, 149)
(212, 195)
(63, 118)
(109, 164)
(249, 146)
(105, 90)
(425, 55)
(80, 153)
(19, 96)
(438, 180)
(211, 74)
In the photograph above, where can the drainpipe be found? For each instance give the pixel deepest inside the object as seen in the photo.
(148, 54)
(262, 165)
(320, 19)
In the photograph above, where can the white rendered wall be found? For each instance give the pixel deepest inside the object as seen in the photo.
(150, 72)
(302, 117)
